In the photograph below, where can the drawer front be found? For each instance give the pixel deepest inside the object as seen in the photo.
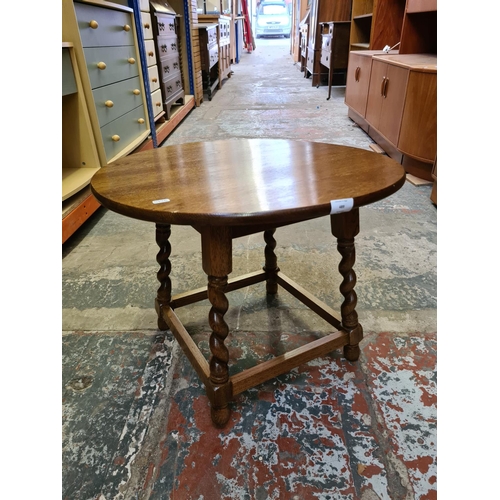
(118, 134)
(326, 41)
(167, 46)
(147, 28)
(310, 60)
(213, 55)
(325, 58)
(116, 99)
(165, 25)
(157, 102)
(172, 86)
(169, 67)
(154, 79)
(107, 65)
(101, 27)
(149, 45)
(212, 35)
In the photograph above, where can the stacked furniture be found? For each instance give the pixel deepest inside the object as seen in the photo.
(104, 37)
(303, 40)
(152, 67)
(393, 96)
(103, 47)
(209, 57)
(335, 49)
(223, 43)
(322, 11)
(165, 30)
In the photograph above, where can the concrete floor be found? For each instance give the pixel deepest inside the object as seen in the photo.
(136, 421)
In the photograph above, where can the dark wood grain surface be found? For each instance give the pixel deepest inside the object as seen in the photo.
(243, 181)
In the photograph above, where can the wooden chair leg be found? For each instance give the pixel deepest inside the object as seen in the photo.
(345, 226)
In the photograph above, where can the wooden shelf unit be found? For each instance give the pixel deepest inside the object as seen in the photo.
(376, 23)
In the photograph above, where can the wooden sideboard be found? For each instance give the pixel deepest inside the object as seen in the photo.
(393, 96)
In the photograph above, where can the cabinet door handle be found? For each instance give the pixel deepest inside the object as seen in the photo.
(94, 24)
(385, 87)
(109, 104)
(131, 60)
(115, 138)
(101, 65)
(356, 74)
(382, 87)
(140, 120)
(126, 27)
(136, 91)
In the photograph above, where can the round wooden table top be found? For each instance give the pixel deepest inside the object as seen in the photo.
(244, 181)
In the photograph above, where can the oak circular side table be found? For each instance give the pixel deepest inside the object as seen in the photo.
(226, 189)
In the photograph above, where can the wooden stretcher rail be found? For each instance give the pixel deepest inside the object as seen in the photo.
(309, 300)
(285, 362)
(183, 299)
(188, 345)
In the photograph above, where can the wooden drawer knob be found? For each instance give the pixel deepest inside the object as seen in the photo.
(154, 80)
(136, 91)
(131, 60)
(151, 54)
(94, 24)
(115, 138)
(109, 104)
(158, 104)
(101, 65)
(140, 120)
(126, 27)
(147, 26)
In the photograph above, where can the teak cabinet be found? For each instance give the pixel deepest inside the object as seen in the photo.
(393, 96)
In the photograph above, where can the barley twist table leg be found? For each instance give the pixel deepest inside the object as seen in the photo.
(345, 227)
(219, 371)
(216, 247)
(271, 262)
(164, 293)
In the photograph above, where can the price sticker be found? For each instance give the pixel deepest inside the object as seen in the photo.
(339, 206)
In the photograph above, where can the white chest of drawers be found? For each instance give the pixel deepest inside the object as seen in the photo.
(104, 38)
